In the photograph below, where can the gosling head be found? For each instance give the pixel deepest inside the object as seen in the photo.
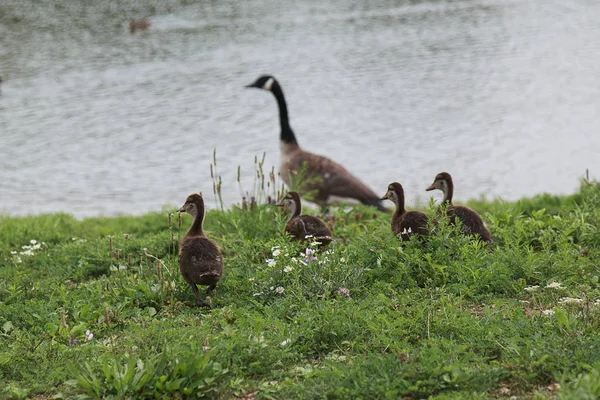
(442, 182)
(193, 205)
(291, 202)
(265, 82)
(395, 193)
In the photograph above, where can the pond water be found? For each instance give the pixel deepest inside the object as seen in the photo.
(94, 120)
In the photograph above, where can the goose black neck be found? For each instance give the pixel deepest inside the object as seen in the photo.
(287, 134)
(196, 228)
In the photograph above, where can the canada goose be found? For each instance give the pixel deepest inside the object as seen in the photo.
(139, 25)
(200, 259)
(472, 224)
(300, 226)
(405, 223)
(324, 176)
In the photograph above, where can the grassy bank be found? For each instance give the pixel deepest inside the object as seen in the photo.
(98, 308)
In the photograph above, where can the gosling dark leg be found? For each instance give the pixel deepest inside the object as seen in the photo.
(211, 288)
(201, 302)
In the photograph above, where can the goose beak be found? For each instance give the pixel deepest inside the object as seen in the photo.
(385, 197)
(253, 85)
(431, 187)
(181, 209)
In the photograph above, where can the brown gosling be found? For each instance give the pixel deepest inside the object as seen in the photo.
(405, 223)
(200, 259)
(302, 227)
(472, 224)
(323, 176)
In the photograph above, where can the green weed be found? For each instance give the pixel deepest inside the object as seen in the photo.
(97, 308)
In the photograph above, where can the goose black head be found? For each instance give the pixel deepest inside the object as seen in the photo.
(265, 82)
(193, 204)
(442, 182)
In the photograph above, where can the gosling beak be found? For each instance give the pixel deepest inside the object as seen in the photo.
(181, 209)
(385, 197)
(279, 204)
(431, 187)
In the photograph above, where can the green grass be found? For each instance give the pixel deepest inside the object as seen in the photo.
(444, 318)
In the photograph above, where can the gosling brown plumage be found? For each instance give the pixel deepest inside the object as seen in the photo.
(300, 226)
(324, 177)
(405, 223)
(200, 259)
(472, 224)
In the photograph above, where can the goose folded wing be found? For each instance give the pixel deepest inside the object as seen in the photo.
(335, 179)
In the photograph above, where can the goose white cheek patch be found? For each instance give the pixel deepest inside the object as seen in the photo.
(268, 84)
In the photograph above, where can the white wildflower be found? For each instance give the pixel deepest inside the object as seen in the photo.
(279, 289)
(14, 253)
(315, 243)
(548, 312)
(342, 259)
(294, 259)
(287, 268)
(257, 294)
(89, 335)
(569, 300)
(531, 288)
(251, 279)
(276, 252)
(286, 342)
(259, 339)
(122, 267)
(271, 262)
(33, 241)
(554, 285)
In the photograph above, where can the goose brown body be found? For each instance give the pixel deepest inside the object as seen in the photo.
(405, 223)
(321, 175)
(472, 223)
(300, 226)
(200, 259)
